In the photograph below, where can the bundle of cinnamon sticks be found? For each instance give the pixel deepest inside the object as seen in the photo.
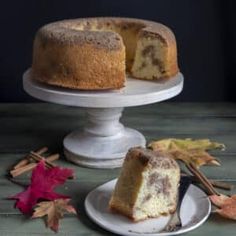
(208, 184)
(29, 162)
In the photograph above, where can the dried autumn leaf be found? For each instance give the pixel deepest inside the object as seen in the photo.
(226, 205)
(43, 182)
(54, 210)
(188, 150)
(222, 200)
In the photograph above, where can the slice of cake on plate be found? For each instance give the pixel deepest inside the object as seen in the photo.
(147, 186)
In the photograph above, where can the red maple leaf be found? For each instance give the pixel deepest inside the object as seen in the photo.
(43, 182)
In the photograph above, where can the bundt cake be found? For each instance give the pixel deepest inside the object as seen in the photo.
(96, 53)
(147, 186)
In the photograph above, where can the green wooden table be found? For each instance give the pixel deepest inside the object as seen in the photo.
(25, 127)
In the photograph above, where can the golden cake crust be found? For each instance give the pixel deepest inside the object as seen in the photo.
(94, 53)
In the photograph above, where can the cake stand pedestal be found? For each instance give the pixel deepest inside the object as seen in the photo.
(104, 141)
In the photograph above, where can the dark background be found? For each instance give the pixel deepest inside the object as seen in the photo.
(205, 32)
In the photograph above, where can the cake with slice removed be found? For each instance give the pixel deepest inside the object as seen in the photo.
(96, 53)
(147, 186)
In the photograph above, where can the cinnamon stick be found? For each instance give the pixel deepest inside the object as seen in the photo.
(25, 161)
(28, 167)
(215, 183)
(202, 178)
(23, 169)
(222, 185)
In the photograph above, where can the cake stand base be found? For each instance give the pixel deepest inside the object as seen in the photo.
(104, 141)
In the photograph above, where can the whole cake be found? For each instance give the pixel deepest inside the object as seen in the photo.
(96, 53)
(147, 186)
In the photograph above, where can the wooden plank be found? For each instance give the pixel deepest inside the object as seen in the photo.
(25, 142)
(72, 226)
(29, 128)
(164, 108)
(82, 173)
(77, 189)
(82, 225)
(224, 172)
(184, 110)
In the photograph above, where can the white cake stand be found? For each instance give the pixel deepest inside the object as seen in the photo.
(104, 141)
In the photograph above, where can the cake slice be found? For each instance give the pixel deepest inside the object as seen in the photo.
(156, 54)
(147, 186)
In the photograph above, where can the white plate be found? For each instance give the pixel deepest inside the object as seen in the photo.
(195, 210)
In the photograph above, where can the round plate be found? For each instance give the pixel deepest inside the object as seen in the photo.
(195, 209)
(135, 93)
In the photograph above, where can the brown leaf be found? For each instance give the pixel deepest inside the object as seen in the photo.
(227, 205)
(54, 210)
(188, 150)
(221, 200)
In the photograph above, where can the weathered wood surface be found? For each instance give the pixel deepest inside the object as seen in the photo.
(25, 127)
